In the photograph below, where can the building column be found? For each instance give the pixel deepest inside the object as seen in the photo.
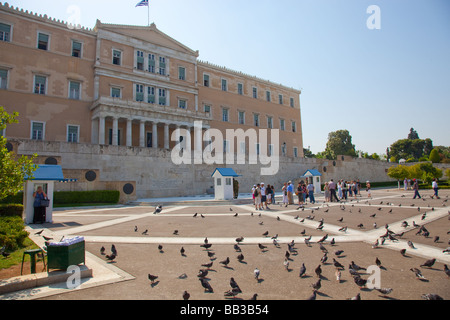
(115, 132)
(94, 130)
(142, 134)
(155, 135)
(101, 130)
(166, 136)
(129, 132)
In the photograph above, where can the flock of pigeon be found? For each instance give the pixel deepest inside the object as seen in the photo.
(356, 272)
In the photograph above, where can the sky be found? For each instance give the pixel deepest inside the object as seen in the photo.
(375, 83)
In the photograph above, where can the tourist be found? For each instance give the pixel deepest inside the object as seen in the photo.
(332, 187)
(326, 189)
(39, 210)
(299, 194)
(368, 189)
(416, 189)
(434, 185)
(285, 195)
(253, 193)
(310, 189)
(264, 196)
(290, 192)
(350, 188)
(257, 197)
(340, 195)
(269, 194)
(355, 189)
(358, 187)
(405, 184)
(344, 187)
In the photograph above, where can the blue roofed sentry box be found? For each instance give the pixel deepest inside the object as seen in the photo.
(48, 173)
(226, 172)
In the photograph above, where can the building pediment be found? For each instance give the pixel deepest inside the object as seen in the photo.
(149, 34)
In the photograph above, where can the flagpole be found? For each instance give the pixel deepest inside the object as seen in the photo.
(148, 11)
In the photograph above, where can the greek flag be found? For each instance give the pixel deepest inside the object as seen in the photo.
(143, 3)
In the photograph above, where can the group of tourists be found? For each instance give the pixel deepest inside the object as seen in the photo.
(263, 196)
(343, 189)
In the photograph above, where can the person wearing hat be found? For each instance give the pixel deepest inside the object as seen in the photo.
(290, 192)
(253, 193)
(416, 189)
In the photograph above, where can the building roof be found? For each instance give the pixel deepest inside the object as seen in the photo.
(48, 172)
(312, 172)
(226, 172)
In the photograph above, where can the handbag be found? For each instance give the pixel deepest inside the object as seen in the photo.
(45, 203)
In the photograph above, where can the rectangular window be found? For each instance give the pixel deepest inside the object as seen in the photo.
(116, 92)
(206, 80)
(181, 73)
(207, 108)
(5, 32)
(226, 146)
(280, 99)
(37, 130)
(43, 41)
(241, 117)
(268, 96)
(40, 84)
(72, 133)
(162, 66)
(228, 181)
(292, 102)
(76, 49)
(224, 85)
(219, 181)
(282, 124)
(240, 89)
(255, 92)
(139, 60)
(3, 79)
(258, 149)
(117, 57)
(270, 151)
(182, 104)
(270, 122)
(139, 92)
(243, 147)
(151, 63)
(162, 97)
(74, 90)
(295, 152)
(294, 126)
(256, 120)
(225, 115)
(151, 94)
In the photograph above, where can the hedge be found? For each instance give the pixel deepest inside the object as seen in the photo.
(73, 197)
(11, 210)
(12, 233)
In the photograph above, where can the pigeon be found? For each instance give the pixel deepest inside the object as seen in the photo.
(307, 242)
(231, 293)
(202, 273)
(385, 291)
(418, 274)
(257, 273)
(158, 209)
(373, 215)
(211, 255)
(208, 265)
(160, 248)
(360, 282)
(206, 285)
(325, 237)
(254, 298)
(360, 226)
(206, 246)
(338, 276)
(186, 295)
(239, 240)
(411, 245)
(202, 216)
(378, 262)
(333, 242)
(47, 238)
(341, 219)
(322, 248)
(313, 296)
(175, 232)
(317, 285)
(286, 264)
(375, 244)
(182, 251)
(39, 232)
(236, 215)
(145, 232)
(135, 229)
(102, 251)
(240, 257)
(111, 257)
(337, 264)
(195, 215)
(225, 262)
(447, 270)
(302, 270)
(265, 234)
(339, 252)
(436, 239)
(428, 263)
(343, 229)
(114, 250)
(237, 248)
(262, 247)
(403, 252)
(354, 266)
(432, 296)
(324, 258)
(356, 298)
(318, 271)
(152, 278)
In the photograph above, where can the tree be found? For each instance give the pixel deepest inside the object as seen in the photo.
(13, 170)
(426, 172)
(411, 149)
(413, 135)
(339, 143)
(399, 172)
(434, 156)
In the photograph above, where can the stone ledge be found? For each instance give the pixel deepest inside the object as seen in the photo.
(39, 279)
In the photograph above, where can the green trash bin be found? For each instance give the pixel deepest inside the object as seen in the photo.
(61, 257)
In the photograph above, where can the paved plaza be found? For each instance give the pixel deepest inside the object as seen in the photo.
(354, 226)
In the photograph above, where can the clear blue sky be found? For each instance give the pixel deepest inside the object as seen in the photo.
(375, 83)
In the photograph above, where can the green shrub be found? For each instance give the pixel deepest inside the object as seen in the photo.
(17, 198)
(77, 197)
(12, 233)
(11, 210)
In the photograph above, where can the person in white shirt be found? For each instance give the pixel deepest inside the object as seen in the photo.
(435, 188)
